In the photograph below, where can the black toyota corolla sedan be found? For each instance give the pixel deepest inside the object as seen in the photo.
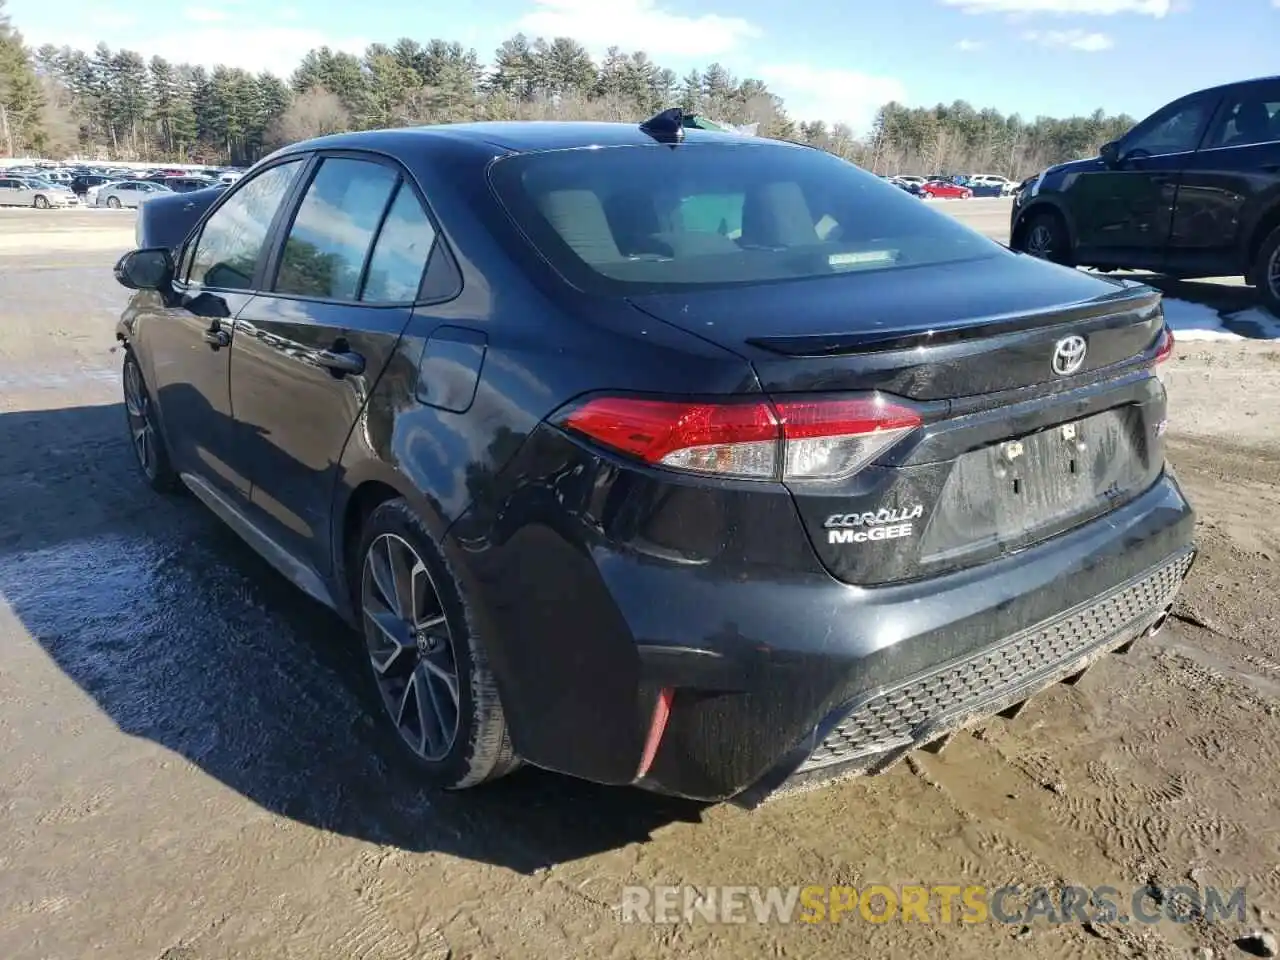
(657, 455)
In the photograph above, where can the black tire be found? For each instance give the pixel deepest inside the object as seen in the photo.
(113, 203)
(480, 748)
(1266, 272)
(41, 202)
(149, 450)
(1045, 236)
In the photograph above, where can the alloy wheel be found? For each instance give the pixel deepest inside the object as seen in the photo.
(410, 647)
(1272, 278)
(42, 203)
(1040, 241)
(137, 406)
(113, 202)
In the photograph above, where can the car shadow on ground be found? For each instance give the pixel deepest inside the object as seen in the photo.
(182, 635)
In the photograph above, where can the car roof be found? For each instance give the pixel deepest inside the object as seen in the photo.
(1233, 85)
(520, 136)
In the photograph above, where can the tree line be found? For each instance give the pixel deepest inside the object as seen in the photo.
(115, 104)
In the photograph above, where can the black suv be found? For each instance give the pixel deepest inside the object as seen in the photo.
(1192, 191)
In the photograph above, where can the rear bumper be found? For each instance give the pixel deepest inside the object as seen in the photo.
(793, 675)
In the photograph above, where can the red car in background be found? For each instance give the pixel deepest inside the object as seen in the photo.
(946, 190)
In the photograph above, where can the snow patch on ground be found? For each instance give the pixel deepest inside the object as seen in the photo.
(1195, 321)
(1255, 323)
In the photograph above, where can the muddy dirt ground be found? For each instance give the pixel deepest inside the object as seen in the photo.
(186, 771)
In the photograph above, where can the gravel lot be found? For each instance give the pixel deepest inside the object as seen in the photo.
(186, 772)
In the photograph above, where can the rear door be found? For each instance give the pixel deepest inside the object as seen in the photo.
(1124, 214)
(309, 351)
(1237, 166)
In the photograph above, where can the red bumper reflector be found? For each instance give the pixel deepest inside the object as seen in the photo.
(657, 727)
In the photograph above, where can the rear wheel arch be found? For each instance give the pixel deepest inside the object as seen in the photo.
(362, 490)
(1268, 222)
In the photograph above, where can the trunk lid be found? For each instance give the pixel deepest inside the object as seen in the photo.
(931, 333)
(1012, 450)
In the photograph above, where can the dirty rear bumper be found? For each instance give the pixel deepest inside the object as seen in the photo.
(854, 677)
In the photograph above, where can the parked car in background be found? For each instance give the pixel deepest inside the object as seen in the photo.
(910, 186)
(82, 184)
(1191, 191)
(128, 193)
(736, 374)
(33, 192)
(945, 189)
(989, 185)
(186, 184)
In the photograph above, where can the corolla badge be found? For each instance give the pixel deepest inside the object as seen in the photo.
(881, 525)
(1068, 355)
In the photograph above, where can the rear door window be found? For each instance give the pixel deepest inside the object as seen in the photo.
(332, 233)
(1250, 116)
(401, 252)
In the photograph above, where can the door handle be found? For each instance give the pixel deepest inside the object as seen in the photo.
(217, 337)
(341, 362)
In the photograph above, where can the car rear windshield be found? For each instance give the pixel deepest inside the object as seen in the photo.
(660, 218)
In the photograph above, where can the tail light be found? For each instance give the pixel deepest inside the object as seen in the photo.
(1164, 346)
(748, 439)
(1164, 350)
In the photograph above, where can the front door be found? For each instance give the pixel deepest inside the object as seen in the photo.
(309, 352)
(191, 339)
(1124, 213)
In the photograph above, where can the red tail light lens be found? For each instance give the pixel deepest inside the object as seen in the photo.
(1164, 348)
(789, 440)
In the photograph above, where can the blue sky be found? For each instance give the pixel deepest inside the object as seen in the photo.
(831, 60)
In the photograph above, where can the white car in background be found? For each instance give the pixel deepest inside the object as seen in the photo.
(128, 193)
(1006, 185)
(33, 192)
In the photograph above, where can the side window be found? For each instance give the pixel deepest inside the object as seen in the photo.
(1251, 116)
(331, 234)
(226, 254)
(1175, 129)
(400, 253)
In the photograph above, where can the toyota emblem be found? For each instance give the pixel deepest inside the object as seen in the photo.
(1068, 355)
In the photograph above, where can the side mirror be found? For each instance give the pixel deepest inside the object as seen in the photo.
(148, 269)
(1110, 153)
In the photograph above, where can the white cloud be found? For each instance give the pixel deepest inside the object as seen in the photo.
(968, 46)
(836, 96)
(1149, 8)
(637, 25)
(1072, 39)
